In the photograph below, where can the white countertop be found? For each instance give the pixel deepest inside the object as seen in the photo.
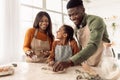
(32, 71)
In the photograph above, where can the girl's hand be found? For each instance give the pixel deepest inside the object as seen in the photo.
(51, 63)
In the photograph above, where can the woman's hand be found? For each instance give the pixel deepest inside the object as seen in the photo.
(30, 53)
(46, 53)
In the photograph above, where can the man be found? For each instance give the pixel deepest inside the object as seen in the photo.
(90, 32)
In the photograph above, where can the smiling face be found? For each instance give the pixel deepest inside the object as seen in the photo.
(43, 24)
(76, 14)
(61, 33)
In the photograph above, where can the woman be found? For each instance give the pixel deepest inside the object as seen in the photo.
(38, 39)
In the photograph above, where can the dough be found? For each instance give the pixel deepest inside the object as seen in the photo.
(48, 69)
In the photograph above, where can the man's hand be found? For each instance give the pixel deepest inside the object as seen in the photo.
(60, 66)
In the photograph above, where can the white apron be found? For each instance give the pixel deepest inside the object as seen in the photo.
(83, 36)
(37, 46)
(62, 53)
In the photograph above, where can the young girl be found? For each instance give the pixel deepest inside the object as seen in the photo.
(64, 47)
(38, 39)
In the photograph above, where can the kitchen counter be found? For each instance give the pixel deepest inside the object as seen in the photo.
(33, 71)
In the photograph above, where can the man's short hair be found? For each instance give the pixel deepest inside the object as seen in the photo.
(74, 3)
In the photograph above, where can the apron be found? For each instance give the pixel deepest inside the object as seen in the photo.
(83, 35)
(37, 46)
(108, 68)
(63, 53)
